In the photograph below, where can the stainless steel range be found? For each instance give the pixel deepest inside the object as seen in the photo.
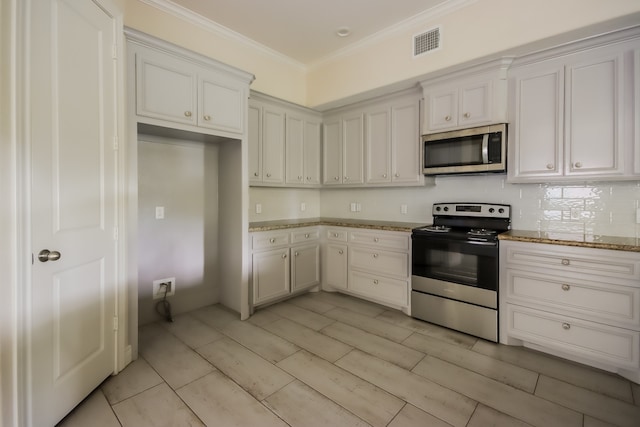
(455, 267)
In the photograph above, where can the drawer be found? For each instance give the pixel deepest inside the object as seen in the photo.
(389, 263)
(269, 240)
(337, 234)
(613, 264)
(597, 300)
(589, 340)
(382, 289)
(387, 240)
(305, 235)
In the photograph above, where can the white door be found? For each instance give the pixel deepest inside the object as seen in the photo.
(71, 301)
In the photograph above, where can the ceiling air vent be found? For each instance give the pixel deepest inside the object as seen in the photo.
(426, 42)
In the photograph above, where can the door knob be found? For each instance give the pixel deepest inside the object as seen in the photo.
(47, 255)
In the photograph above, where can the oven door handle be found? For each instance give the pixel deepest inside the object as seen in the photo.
(485, 148)
(481, 242)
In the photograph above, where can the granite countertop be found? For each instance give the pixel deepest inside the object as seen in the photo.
(630, 244)
(338, 222)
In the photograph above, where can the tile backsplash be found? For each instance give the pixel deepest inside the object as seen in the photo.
(604, 208)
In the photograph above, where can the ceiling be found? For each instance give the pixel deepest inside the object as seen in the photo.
(305, 30)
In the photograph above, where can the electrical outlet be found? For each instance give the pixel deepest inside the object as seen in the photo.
(354, 207)
(158, 291)
(303, 206)
(258, 208)
(159, 212)
(403, 209)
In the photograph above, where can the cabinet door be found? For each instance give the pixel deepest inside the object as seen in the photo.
(353, 149)
(405, 143)
(536, 138)
(378, 146)
(270, 275)
(306, 267)
(594, 124)
(443, 108)
(221, 104)
(336, 266)
(294, 150)
(312, 152)
(165, 88)
(272, 145)
(332, 153)
(475, 103)
(255, 143)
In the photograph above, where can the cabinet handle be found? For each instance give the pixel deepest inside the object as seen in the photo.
(187, 113)
(566, 326)
(375, 239)
(308, 178)
(578, 165)
(549, 166)
(375, 255)
(337, 178)
(306, 236)
(272, 240)
(255, 174)
(340, 251)
(296, 254)
(207, 117)
(566, 262)
(299, 177)
(384, 175)
(447, 118)
(467, 115)
(397, 175)
(335, 234)
(268, 175)
(375, 282)
(284, 256)
(346, 178)
(565, 287)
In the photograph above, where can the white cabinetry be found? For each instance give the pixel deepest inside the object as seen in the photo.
(178, 92)
(578, 303)
(470, 98)
(344, 149)
(573, 115)
(284, 262)
(284, 144)
(335, 260)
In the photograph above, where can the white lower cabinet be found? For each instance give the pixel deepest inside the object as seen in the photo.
(579, 303)
(370, 264)
(284, 263)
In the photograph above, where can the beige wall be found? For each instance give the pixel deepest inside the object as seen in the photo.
(482, 28)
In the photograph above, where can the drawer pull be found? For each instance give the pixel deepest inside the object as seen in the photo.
(207, 117)
(375, 239)
(340, 251)
(375, 282)
(565, 287)
(335, 234)
(187, 113)
(306, 236)
(272, 240)
(566, 262)
(284, 256)
(566, 326)
(296, 254)
(375, 255)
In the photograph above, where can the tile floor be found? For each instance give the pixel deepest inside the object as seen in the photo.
(324, 359)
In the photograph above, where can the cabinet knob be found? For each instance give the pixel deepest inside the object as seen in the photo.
(346, 178)
(578, 165)
(340, 251)
(566, 326)
(272, 240)
(337, 178)
(255, 174)
(375, 255)
(268, 175)
(566, 262)
(308, 178)
(187, 113)
(296, 254)
(549, 166)
(284, 256)
(565, 287)
(207, 117)
(397, 175)
(467, 115)
(375, 282)
(384, 175)
(306, 236)
(375, 239)
(447, 118)
(335, 234)
(299, 177)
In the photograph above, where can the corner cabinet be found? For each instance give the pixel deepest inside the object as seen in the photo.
(578, 303)
(184, 93)
(573, 114)
(284, 144)
(344, 149)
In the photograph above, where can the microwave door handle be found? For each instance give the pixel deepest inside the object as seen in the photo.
(485, 148)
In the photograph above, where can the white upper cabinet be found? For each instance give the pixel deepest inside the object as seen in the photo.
(302, 149)
(572, 116)
(469, 98)
(344, 149)
(185, 92)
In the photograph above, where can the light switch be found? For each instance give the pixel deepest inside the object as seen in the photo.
(159, 212)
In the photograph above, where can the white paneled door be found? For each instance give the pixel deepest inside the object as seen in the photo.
(71, 300)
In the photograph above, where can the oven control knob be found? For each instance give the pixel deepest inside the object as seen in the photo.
(501, 210)
(438, 208)
(446, 209)
(491, 210)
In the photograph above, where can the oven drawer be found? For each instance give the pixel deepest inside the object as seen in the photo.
(591, 300)
(390, 263)
(387, 240)
(590, 340)
(383, 289)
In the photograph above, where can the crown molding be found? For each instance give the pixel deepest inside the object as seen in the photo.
(185, 14)
(419, 19)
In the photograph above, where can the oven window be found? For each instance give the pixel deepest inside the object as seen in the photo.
(456, 261)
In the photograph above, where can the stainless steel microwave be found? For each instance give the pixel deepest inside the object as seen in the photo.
(476, 150)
